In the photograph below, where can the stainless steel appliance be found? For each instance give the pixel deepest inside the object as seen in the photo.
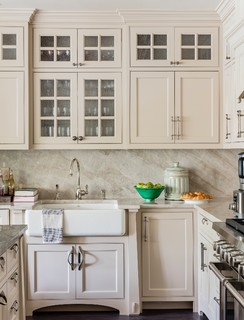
(230, 268)
(238, 195)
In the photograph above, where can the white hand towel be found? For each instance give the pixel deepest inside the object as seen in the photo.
(52, 222)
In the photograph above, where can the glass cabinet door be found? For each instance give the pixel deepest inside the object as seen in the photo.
(11, 43)
(99, 47)
(196, 46)
(55, 105)
(99, 110)
(152, 46)
(55, 48)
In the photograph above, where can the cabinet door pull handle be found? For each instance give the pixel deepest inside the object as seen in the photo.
(172, 62)
(145, 229)
(172, 128)
(81, 64)
(178, 127)
(75, 64)
(80, 138)
(81, 258)
(74, 138)
(227, 133)
(177, 62)
(241, 96)
(71, 258)
(203, 265)
(3, 299)
(15, 248)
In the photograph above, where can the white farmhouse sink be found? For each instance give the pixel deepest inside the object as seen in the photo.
(81, 218)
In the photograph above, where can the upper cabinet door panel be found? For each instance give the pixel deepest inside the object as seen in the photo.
(11, 43)
(55, 48)
(196, 46)
(99, 48)
(152, 46)
(13, 111)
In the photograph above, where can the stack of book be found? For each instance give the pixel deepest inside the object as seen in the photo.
(26, 195)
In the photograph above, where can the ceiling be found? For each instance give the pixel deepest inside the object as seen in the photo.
(112, 5)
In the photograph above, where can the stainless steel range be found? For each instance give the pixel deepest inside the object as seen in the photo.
(230, 268)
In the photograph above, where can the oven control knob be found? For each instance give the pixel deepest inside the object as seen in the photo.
(228, 252)
(224, 248)
(232, 206)
(241, 269)
(235, 260)
(217, 244)
(229, 255)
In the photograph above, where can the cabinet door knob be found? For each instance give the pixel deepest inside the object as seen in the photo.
(75, 64)
(80, 138)
(74, 138)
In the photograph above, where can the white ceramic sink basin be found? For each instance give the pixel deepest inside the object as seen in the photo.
(81, 218)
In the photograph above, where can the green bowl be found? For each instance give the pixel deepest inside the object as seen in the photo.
(149, 194)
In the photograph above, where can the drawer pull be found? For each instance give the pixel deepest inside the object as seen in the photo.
(15, 277)
(204, 220)
(15, 248)
(15, 306)
(3, 299)
(2, 262)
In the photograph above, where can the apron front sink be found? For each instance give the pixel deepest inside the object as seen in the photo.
(81, 218)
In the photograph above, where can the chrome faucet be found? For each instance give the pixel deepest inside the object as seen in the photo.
(79, 193)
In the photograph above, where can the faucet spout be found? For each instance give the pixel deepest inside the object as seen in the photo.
(79, 193)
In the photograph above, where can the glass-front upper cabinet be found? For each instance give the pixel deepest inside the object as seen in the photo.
(72, 48)
(11, 43)
(196, 46)
(99, 108)
(158, 46)
(152, 46)
(60, 117)
(55, 107)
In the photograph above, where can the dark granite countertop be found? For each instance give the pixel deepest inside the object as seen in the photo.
(9, 234)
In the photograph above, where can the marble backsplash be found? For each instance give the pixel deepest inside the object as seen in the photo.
(116, 171)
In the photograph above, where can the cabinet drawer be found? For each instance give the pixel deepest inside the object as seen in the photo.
(13, 256)
(3, 266)
(13, 284)
(206, 227)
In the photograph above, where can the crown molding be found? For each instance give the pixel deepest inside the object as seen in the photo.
(17, 15)
(157, 16)
(76, 17)
(225, 9)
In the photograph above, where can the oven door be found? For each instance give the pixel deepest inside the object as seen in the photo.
(234, 295)
(224, 273)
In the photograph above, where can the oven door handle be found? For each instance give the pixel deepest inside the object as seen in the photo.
(234, 292)
(219, 275)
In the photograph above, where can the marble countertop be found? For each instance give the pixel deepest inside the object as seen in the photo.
(9, 234)
(217, 209)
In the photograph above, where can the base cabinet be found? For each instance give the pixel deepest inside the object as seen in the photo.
(167, 255)
(75, 271)
(10, 303)
(208, 290)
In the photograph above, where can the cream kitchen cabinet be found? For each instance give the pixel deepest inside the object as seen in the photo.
(14, 79)
(174, 108)
(229, 101)
(174, 46)
(75, 271)
(61, 118)
(10, 304)
(4, 216)
(208, 284)
(11, 47)
(77, 48)
(13, 120)
(167, 255)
